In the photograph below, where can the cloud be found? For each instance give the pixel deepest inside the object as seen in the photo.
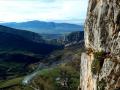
(48, 1)
(49, 10)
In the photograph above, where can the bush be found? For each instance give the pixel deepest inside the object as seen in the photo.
(95, 67)
(97, 62)
(101, 84)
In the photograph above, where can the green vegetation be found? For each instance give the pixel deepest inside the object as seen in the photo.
(63, 77)
(101, 84)
(11, 82)
(97, 62)
(98, 55)
(17, 64)
(95, 67)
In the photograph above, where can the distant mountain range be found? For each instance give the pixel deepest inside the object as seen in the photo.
(45, 27)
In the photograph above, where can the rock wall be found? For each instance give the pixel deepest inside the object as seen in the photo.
(102, 34)
(88, 82)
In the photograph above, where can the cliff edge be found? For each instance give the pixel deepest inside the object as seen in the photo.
(100, 64)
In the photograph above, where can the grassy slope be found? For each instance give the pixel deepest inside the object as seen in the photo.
(11, 82)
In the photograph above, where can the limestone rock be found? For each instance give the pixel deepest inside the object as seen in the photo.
(102, 33)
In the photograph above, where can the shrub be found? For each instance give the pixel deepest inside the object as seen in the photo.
(101, 84)
(97, 62)
(95, 67)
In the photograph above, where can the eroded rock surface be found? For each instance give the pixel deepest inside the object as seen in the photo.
(102, 33)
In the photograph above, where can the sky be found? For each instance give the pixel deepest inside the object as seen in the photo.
(73, 11)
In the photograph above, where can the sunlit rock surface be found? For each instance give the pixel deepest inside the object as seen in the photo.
(102, 33)
(88, 82)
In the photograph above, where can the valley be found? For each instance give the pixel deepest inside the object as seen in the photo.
(56, 65)
(59, 44)
(26, 56)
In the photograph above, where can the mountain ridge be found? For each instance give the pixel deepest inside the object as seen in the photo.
(11, 40)
(23, 33)
(45, 27)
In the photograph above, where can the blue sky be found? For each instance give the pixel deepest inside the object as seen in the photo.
(45, 10)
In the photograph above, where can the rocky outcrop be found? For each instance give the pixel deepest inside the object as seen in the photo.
(88, 82)
(74, 38)
(102, 35)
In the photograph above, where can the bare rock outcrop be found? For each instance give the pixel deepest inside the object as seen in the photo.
(102, 41)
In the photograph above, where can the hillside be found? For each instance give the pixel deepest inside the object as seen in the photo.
(45, 27)
(11, 42)
(20, 51)
(13, 39)
(23, 33)
(74, 38)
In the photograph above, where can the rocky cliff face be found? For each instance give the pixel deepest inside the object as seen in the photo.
(74, 38)
(100, 64)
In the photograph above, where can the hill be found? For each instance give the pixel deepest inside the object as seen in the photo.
(13, 39)
(23, 33)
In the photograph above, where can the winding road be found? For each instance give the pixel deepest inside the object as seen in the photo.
(39, 70)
